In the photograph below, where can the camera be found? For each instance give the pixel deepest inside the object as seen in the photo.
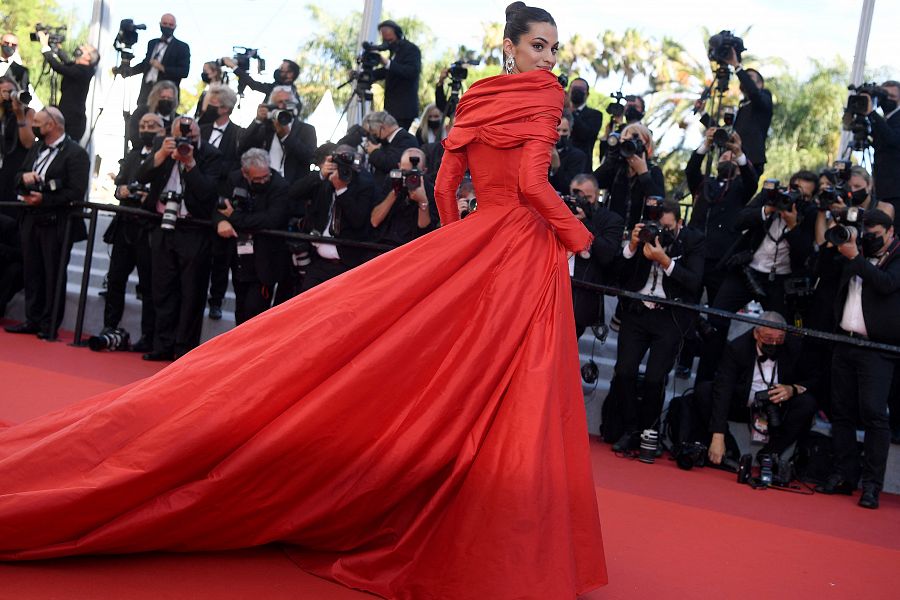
(283, 116)
(652, 213)
(472, 207)
(721, 44)
(242, 56)
(404, 181)
(135, 190)
(239, 196)
(616, 109)
(781, 199)
(22, 97)
(649, 446)
(183, 143)
(300, 249)
(172, 202)
(126, 39)
(842, 233)
(763, 404)
(633, 146)
(347, 163)
(745, 468)
(56, 35)
(458, 71)
(370, 57)
(576, 202)
(858, 104)
(109, 339)
(690, 455)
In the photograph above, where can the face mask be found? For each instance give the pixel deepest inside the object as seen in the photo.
(147, 138)
(258, 187)
(770, 351)
(633, 115)
(563, 142)
(209, 115)
(578, 96)
(164, 107)
(858, 197)
(872, 243)
(7, 51)
(166, 31)
(37, 133)
(653, 212)
(889, 106)
(375, 139)
(204, 76)
(666, 237)
(726, 170)
(434, 124)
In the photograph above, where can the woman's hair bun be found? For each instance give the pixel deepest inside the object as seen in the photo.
(513, 8)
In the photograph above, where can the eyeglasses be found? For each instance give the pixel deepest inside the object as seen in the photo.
(9, 44)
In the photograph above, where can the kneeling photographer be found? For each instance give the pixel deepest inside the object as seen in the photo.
(662, 259)
(628, 174)
(866, 306)
(182, 173)
(258, 200)
(758, 382)
(408, 209)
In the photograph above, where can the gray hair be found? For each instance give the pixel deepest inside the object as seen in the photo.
(255, 157)
(773, 317)
(861, 172)
(226, 95)
(282, 88)
(56, 116)
(379, 118)
(153, 96)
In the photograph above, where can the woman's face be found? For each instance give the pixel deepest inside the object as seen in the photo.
(536, 49)
(434, 113)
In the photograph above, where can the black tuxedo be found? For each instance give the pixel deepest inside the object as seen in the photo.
(401, 82)
(607, 229)
(400, 225)
(19, 74)
(76, 81)
(264, 88)
(42, 228)
(386, 158)
(753, 120)
(585, 130)
(229, 145)
(176, 60)
(627, 194)
(886, 141)
(299, 145)
(199, 183)
(880, 295)
(572, 162)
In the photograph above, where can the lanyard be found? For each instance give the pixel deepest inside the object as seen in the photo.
(41, 166)
(769, 383)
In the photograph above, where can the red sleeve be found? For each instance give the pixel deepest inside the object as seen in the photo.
(453, 167)
(533, 183)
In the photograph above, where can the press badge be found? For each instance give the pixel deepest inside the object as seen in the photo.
(245, 247)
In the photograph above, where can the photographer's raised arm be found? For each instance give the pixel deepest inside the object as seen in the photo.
(883, 135)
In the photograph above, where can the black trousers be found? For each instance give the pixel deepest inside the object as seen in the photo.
(796, 416)
(712, 281)
(644, 330)
(131, 248)
(733, 295)
(42, 247)
(321, 270)
(405, 123)
(218, 273)
(860, 393)
(251, 298)
(180, 260)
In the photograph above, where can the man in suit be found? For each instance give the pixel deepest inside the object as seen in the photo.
(886, 142)
(587, 121)
(182, 178)
(867, 306)
(168, 59)
(289, 142)
(385, 144)
(670, 266)
(755, 113)
(11, 62)
(340, 207)
(254, 259)
(286, 75)
(405, 214)
(76, 81)
(761, 360)
(400, 73)
(53, 176)
(566, 160)
(593, 265)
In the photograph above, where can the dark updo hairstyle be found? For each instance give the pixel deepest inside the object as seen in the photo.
(519, 18)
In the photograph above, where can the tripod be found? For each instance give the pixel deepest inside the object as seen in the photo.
(453, 100)
(362, 91)
(723, 77)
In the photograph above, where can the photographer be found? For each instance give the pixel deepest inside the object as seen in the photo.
(408, 209)
(76, 81)
(662, 259)
(182, 173)
(630, 178)
(258, 201)
(886, 143)
(340, 207)
(53, 175)
(216, 127)
(400, 73)
(858, 192)
(757, 382)
(755, 113)
(593, 265)
(566, 161)
(16, 138)
(632, 112)
(867, 306)
(775, 248)
(167, 59)
(210, 75)
(466, 203)
(129, 236)
(277, 130)
(385, 144)
(162, 101)
(285, 77)
(11, 61)
(587, 121)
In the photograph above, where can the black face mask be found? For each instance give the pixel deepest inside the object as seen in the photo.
(872, 243)
(578, 96)
(147, 138)
(562, 143)
(167, 32)
(375, 139)
(37, 133)
(209, 115)
(164, 107)
(726, 170)
(888, 105)
(7, 106)
(204, 77)
(434, 124)
(258, 187)
(633, 115)
(858, 197)
(7, 51)
(653, 212)
(770, 351)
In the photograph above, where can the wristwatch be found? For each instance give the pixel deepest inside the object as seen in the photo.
(423, 205)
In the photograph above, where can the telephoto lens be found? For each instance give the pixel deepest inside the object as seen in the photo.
(172, 202)
(109, 339)
(649, 444)
(765, 469)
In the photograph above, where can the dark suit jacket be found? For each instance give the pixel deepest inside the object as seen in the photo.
(607, 228)
(269, 211)
(76, 81)
(200, 192)
(19, 74)
(401, 225)
(800, 239)
(585, 130)
(886, 140)
(263, 88)
(572, 162)
(228, 146)
(880, 294)
(622, 188)
(401, 81)
(176, 60)
(753, 119)
(299, 145)
(352, 211)
(388, 156)
(735, 372)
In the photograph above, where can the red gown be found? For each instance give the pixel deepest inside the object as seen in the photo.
(414, 428)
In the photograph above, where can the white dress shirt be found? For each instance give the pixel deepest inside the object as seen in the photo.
(158, 52)
(852, 319)
(46, 156)
(329, 251)
(771, 251)
(764, 373)
(654, 285)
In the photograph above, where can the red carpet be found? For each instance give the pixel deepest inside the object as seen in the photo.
(668, 533)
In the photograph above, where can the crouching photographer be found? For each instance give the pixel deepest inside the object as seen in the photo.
(758, 382)
(866, 306)
(408, 209)
(258, 201)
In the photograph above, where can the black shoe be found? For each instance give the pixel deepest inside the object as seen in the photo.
(836, 485)
(25, 327)
(628, 442)
(159, 356)
(682, 372)
(869, 498)
(142, 345)
(43, 335)
(215, 312)
(895, 434)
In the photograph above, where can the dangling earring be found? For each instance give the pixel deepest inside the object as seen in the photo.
(510, 64)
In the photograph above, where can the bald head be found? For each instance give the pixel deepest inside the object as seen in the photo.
(50, 124)
(406, 159)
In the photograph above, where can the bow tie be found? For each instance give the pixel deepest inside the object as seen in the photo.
(220, 129)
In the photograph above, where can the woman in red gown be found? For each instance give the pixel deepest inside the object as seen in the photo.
(414, 428)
